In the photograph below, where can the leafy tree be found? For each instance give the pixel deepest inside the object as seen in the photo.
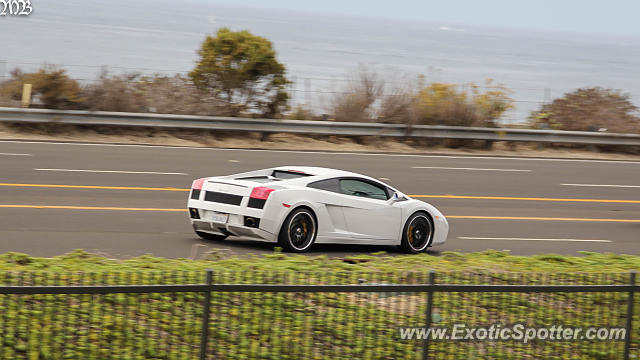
(589, 109)
(241, 69)
(51, 86)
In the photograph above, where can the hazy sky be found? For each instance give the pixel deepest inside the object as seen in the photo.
(587, 16)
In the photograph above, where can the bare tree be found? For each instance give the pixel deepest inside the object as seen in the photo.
(356, 101)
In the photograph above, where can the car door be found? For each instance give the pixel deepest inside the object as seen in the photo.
(367, 210)
(331, 220)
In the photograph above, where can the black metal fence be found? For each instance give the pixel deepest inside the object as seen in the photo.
(293, 315)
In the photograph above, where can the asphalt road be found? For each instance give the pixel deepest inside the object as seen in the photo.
(528, 206)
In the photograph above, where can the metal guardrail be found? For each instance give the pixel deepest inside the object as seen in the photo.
(427, 287)
(313, 127)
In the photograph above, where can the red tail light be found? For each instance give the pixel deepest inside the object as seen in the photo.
(197, 184)
(261, 192)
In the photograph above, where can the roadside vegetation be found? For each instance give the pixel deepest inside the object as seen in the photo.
(52, 86)
(238, 74)
(368, 97)
(490, 260)
(589, 109)
(294, 325)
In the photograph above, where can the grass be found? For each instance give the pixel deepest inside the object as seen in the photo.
(304, 325)
(490, 260)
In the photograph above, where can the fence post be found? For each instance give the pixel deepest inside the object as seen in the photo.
(627, 340)
(206, 310)
(425, 346)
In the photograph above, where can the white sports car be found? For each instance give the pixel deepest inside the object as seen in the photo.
(297, 206)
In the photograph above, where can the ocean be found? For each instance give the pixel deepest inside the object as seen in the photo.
(319, 50)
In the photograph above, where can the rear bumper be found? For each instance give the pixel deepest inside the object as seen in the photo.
(235, 230)
(207, 221)
(234, 226)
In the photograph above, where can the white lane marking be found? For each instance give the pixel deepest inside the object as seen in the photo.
(329, 152)
(603, 185)
(532, 239)
(113, 171)
(463, 168)
(234, 161)
(10, 154)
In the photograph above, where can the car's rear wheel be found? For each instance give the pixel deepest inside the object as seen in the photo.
(298, 231)
(209, 236)
(417, 233)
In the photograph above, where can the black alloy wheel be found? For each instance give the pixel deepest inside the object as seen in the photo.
(417, 234)
(298, 231)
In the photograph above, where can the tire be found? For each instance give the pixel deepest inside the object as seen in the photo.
(417, 233)
(208, 236)
(298, 231)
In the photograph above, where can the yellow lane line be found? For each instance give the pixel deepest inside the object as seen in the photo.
(184, 210)
(538, 218)
(470, 197)
(523, 198)
(95, 187)
(88, 208)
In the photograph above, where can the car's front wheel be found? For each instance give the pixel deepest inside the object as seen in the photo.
(209, 236)
(417, 233)
(298, 231)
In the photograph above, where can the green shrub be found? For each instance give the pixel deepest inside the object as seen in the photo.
(446, 104)
(51, 87)
(589, 109)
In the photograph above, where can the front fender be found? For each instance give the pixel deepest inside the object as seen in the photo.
(440, 223)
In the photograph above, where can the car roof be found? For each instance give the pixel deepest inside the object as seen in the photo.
(320, 173)
(313, 173)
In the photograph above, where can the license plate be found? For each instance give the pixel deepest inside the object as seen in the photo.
(219, 217)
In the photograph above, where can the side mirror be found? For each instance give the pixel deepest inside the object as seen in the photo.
(397, 196)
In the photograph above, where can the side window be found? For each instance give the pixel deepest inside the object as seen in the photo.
(363, 188)
(327, 185)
